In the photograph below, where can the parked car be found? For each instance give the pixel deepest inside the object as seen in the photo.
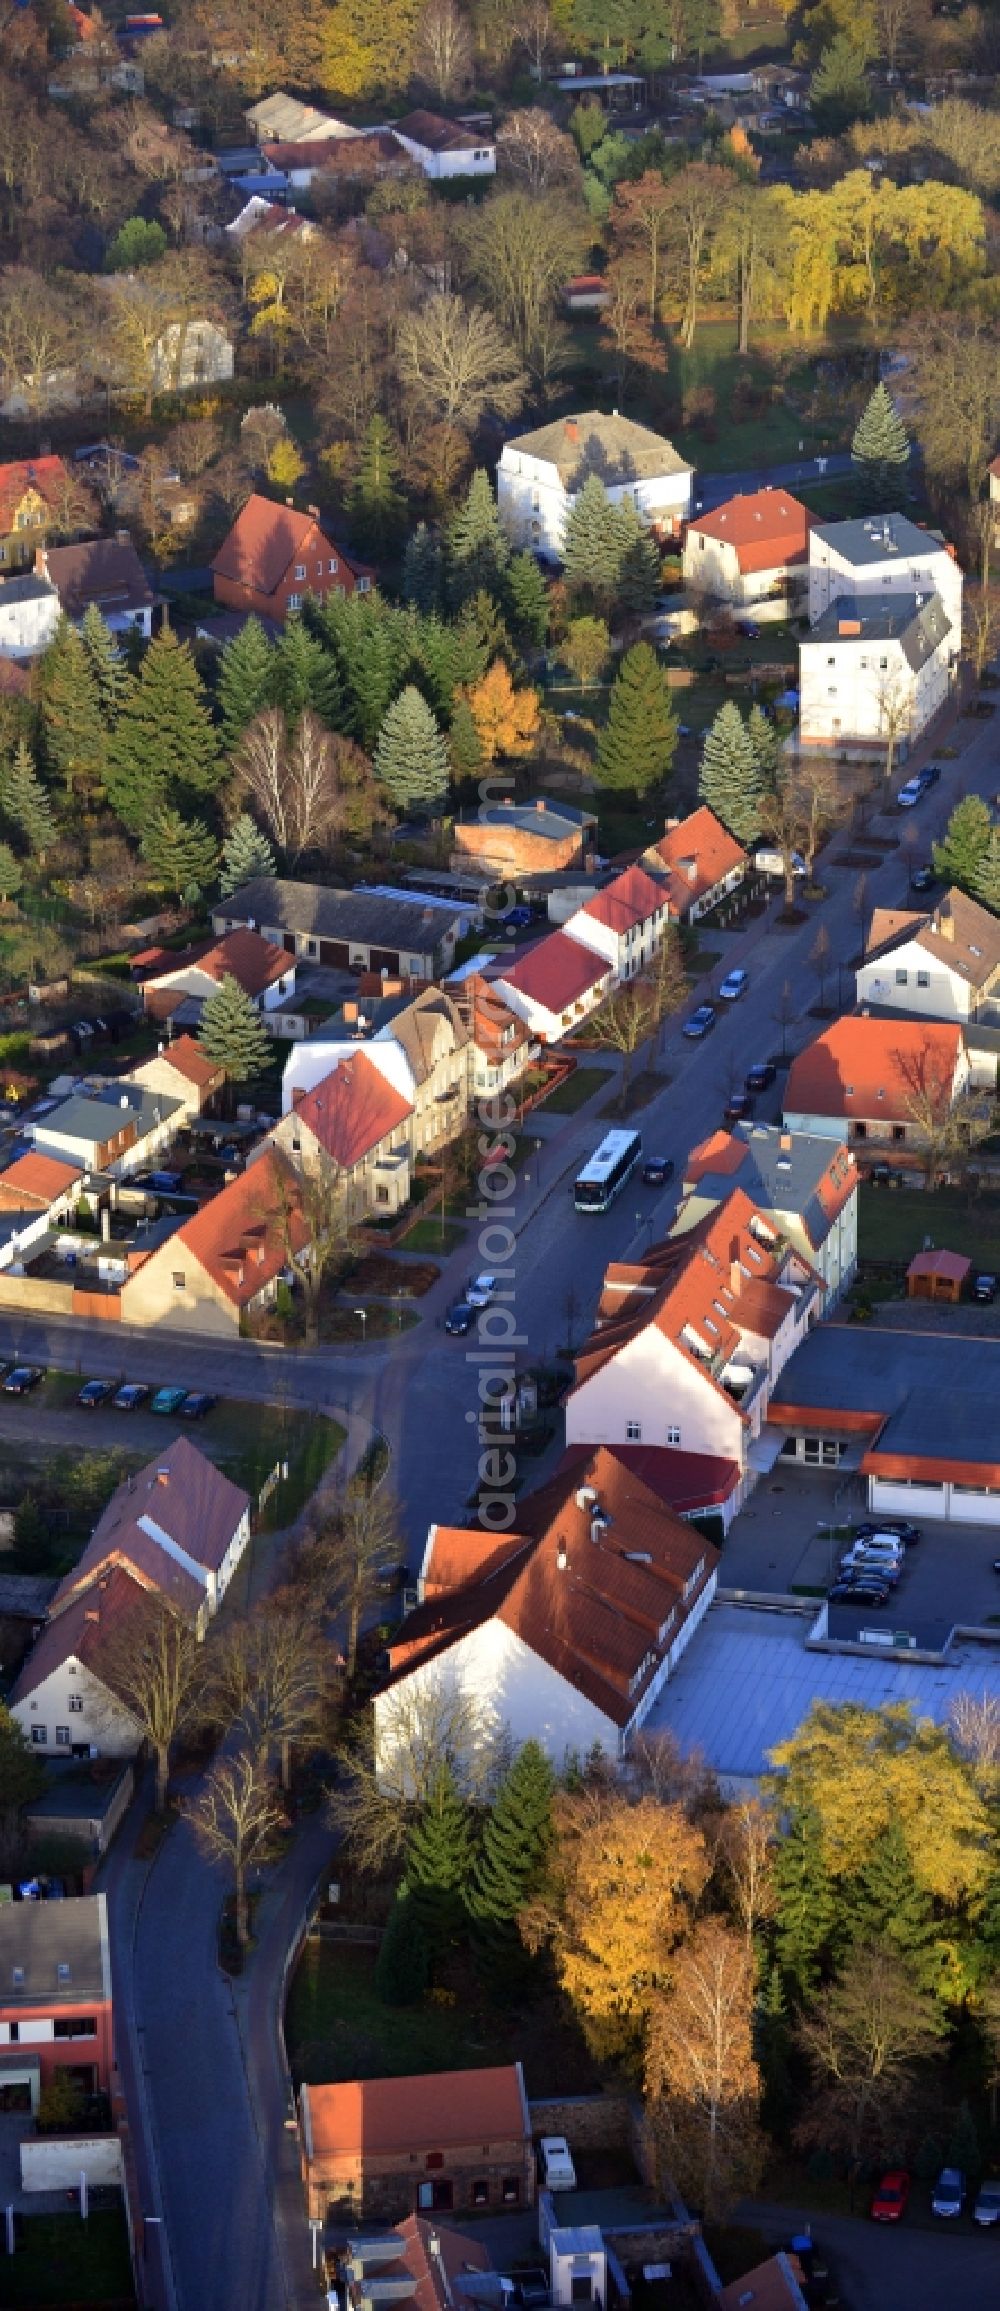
(984, 1287)
(874, 1593)
(481, 1290)
(130, 1395)
(657, 1170)
(948, 2195)
(890, 2199)
(922, 878)
(700, 1023)
(884, 1537)
(760, 1076)
(899, 1527)
(771, 862)
(885, 1176)
(23, 1378)
(917, 786)
(163, 1183)
(734, 985)
(168, 1400)
(198, 1404)
(888, 1568)
(460, 1319)
(95, 1392)
(556, 2165)
(738, 1107)
(987, 2206)
(517, 919)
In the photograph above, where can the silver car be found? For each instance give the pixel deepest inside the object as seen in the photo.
(987, 2206)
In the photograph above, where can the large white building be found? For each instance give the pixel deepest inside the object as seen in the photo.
(885, 554)
(541, 474)
(445, 148)
(942, 964)
(874, 670)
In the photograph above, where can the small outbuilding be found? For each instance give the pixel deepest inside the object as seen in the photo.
(936, 1275)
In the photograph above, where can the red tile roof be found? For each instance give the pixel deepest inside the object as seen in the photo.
(352, 1110)
(255, 963)
(377, 2117)
(598, 1607)
(872, 1069)
(556, 973)
(686, 1481)
(47, 475)
(953, 1266)
(241, 1237)
(192, 1061)
(265, 540)
(183, 1493)
(631, 899)
(699, 852)
(437, 2273)
(94, 1626)
(36, 1179)
(769, 529)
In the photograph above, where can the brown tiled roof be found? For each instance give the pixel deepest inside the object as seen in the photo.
(961, 936)
(47, 475)
(691, 1287)
(772, 2286)
(191, 1060)
(768, 529)
(183, 1495)
(148, 1564)
(556, 973)
(631, 899)
(437, 2275)
(438, 135)
(93, 1627)
(697, 854)
(254, 963)
(953, 1266)
(597, 1608)
(265, 539)
(384, 2116)
(106, 571)
(239, 1238)
(868, 1068)
(35, 1179)
(352, 1110)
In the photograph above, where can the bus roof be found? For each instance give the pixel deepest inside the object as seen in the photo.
(611, 1150)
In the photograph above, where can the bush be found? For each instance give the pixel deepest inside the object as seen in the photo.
(402, 1965)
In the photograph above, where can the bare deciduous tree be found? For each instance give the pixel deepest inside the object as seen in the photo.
(236, 1818)
(520, 251)
(700, 2070)
(744, 1849)
(534, 152)
(299, 784)
(948, 1123)
(264, 1675)
(313, 1214)
(423, 1724)
(443, 55)
(863, 2037)
(340, 1561)
(456, 363)
(155, 1666)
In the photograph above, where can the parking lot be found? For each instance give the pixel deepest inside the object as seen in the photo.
(782, 1541)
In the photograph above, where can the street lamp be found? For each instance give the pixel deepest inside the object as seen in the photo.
(538, 1159)
(363, 1313)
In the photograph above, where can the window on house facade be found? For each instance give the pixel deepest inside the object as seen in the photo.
(334, 565)
(300, 569)
(481, 2192)
(434, 2198)
(901, 978)
(510, 2190)
(673, 1435)
(633, 1431)
(883, 665)
(923, 978)
(39, 1736)
(295, 601)
(62, 1736)
(75, 1704)
(180, 1279)
(899, 1131)
(74, 2026)
(364, 586)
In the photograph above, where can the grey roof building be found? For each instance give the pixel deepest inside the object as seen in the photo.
(918, 625)
(869, 539)
(614, 448)
(55, 1953)
(354, 929)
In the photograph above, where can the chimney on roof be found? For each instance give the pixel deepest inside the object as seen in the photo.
(786, 1143)
(163, 1476)
(314, 511)
(735, 1271)
(350, 1011)
(946, 923)
(572, 429)
(539, 802)
(41, 562)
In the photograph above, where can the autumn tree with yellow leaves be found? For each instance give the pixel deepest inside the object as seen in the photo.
(506, 719)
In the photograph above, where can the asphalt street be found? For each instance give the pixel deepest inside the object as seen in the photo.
(915, 2267)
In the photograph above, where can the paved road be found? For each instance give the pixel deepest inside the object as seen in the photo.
(712, 489)
(880, 2269)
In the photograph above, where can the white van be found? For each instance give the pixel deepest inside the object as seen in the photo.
(558, 2171)
(770, 862)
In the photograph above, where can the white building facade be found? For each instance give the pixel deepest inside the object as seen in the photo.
(885, 554)
(540, 476)
(874, 672)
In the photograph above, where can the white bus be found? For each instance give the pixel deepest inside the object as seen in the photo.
(609, 1168)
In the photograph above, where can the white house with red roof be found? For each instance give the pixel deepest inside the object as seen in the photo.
(877, 1084)
(624, 923)
(565, 1629)
(751, 552)
(227, 1261)
(805, 1184)
(699, 861)
(178, 986)
(690, 1339)
(356, 1120)
(556, 985)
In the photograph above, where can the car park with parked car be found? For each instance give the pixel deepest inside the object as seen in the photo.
(760, 1076)
(890, 2199)
(556, 2164)
(481, 1290)
(95, 1392)
(738, 1107)
(23, 1378)
(460, 1319)
(657, 1170)
(899, 1528)
(168, 1400)
(948, 2195)
(734, 985)
(984, 1288)
(198, 1405)
(130, 1395)
(916, 787)
(987, 2207)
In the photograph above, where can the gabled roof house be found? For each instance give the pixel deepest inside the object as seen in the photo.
(939, 963)
(273, 557)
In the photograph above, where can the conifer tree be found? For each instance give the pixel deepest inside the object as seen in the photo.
(885, 1904)
(246, 853)
(180, 853)
(592, 546)
(465, 751)
(106, 661)
(805, 1902)
(639, 740)
(986, 886)
(371, 682)
(528, 601)
(730, 780)
(881, 446)
(423, 569)
(960, 855)
(245, 680)
(234, 1034)
(765, 746)
(304, 674)
(376, 505)
(23, 800)
(511, 1861)
(478, 550)
(72, 728)
(638, 561)
(438, 1862)
(164, 745)
(11, 877)
(401, 1967)
(411, 757)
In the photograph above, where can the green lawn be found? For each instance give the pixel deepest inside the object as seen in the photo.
(575, 1090)
(337, 2028)
(429, 1235)
(62, 2260)
(893, 1222)
(248, 1439)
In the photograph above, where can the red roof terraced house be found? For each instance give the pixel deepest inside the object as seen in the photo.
(690, 1339)
(878, 1084)
(699, 861)
(555, 985)
(226, 1262)
(624, 923)
(571, 1622)
(55, 1998)
(180, 991)
(389, 2147)
(359, 1122)
(750, 549)
(430, 2271)
(274, 556)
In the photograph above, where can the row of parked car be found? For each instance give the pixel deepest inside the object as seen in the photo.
(124, 1396)
(892, 2197)
(870, 1570)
